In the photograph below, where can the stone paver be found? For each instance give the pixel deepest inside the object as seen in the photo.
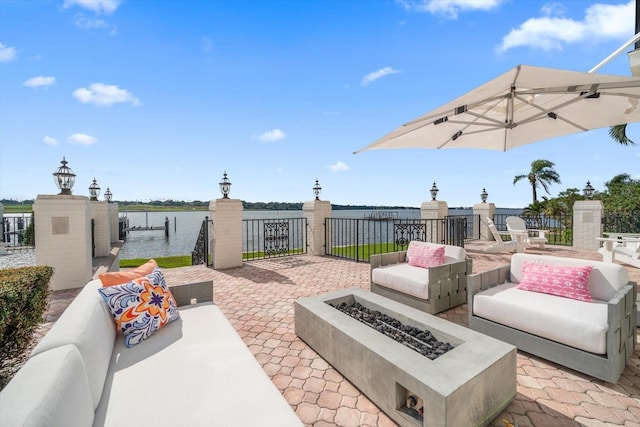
(258, 301)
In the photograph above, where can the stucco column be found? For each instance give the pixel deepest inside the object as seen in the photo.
(484, 211)
(63, 238)
(226, 233)
(432, 210)
(587, 223)
(114, 231)
(316, 212)
(101, 228)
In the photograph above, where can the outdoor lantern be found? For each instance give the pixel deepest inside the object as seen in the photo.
(316, 190)
(434, 191)
(64, 178)
(588, 190)
(108, 195)
(225, 186)
(94, 190)
(484, 195)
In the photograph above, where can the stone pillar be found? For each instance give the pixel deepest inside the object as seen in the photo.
(63, 238)
(226, 233)
(101, 228)
(587, 223)
(484, 211)
(432, 210)
(114, 231)
(316, 212)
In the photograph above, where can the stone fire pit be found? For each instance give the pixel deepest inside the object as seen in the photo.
(467, 386)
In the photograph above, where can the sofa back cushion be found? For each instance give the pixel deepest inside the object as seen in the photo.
(51, 389)
(605, 280)
(451, 253)
(88, 325)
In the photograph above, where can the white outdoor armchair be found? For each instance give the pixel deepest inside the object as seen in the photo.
(517, 224)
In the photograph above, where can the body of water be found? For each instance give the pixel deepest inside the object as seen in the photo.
(185, 226)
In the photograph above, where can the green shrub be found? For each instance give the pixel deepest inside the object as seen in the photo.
(24, 295)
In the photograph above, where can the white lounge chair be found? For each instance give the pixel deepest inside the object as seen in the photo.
(626, 250)
(501, 245)
(515, 223)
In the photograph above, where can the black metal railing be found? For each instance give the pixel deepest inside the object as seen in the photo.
(269, 238)
(358, 239)
(15, 232)
(621, 222)
(200, 253)
(558, 229)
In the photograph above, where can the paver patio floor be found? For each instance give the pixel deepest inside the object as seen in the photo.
(258, 301)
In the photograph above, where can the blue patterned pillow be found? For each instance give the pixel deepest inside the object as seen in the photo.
(141, 307)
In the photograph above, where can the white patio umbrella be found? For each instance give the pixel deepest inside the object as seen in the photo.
(523, 105)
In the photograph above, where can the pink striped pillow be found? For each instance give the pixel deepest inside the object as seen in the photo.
(559, 280)
(425, 256)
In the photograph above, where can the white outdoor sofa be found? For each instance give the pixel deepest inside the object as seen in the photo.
(195, 371)
(596, 338)
(431, 290)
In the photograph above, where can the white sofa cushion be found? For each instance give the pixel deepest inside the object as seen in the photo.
(605, 280)
(51, 389)
(195, 371)
(571, 322)
(88, 325)
(403, 278)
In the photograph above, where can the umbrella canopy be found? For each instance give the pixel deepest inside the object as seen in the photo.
(523, 105)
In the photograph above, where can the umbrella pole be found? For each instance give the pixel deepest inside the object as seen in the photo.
(605, 61)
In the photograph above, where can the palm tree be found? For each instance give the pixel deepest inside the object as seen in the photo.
(542, 175)
(619, 134)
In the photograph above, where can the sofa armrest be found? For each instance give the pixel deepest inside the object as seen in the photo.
(379, 260)
(193, 293)
(621, 316)
(484, 280)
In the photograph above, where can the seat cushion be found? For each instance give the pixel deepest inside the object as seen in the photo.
(403, 278)
(88, 325)
(196, 371)
(578, 324)
(51, 389)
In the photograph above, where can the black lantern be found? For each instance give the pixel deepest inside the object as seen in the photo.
(64, 178)
(316, 190)
(94, 190)
(588, 190)
(434, 191)
(108, 195)
(225, 186)
(484, 195)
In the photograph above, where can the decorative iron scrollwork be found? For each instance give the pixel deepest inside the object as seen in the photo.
(276, 238)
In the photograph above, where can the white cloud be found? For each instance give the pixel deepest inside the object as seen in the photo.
(39, 81)
(271, 136)
(85, 23)
(7, 53)
(81, 138)
(104, 95)
(49, 140)
(339, 166)
(449, 8)
(554, 31)
(372, 77)
(98, 6)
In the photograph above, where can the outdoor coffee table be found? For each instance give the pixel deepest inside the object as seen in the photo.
(467, 386)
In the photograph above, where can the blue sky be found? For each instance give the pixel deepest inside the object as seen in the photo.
(156, 99)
